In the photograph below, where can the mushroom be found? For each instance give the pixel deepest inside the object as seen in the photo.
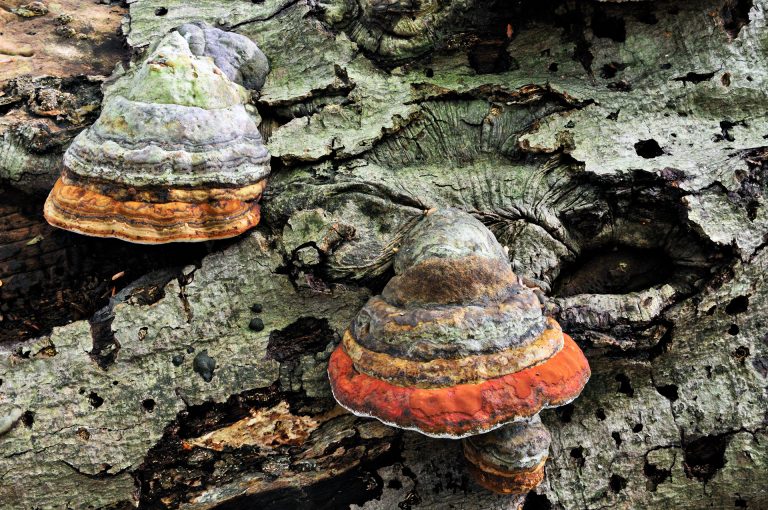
(176, 154)
(394, 30)
(455, 346)
(510, 459)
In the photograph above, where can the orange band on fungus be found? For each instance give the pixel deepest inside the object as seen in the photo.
(513, 482)
(91, 213)
(465, 409)
(121, 193)
(449, 372)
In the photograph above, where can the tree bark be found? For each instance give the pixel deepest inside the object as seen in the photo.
(617, 149)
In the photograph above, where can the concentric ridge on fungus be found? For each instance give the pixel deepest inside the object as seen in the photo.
(394, 30)
(176, 154)
(509, 460)
(454, 346)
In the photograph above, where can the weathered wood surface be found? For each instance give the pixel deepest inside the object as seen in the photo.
(638, 126)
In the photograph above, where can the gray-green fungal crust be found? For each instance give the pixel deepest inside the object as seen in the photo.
(453, 295)
(236, 55)
(394, 30)
(426, 334)
(447, 234)
(175, 120)
(366, 152)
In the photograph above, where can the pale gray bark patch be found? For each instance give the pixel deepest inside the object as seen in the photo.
(663, 103)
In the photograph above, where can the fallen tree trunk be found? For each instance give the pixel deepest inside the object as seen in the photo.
(617, 150)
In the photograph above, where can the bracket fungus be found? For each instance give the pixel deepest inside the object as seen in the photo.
(176, 154)
(509, 460)
(455, 346)
(394, 30)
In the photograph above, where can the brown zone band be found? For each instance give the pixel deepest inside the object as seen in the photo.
(89, 212)
(513, 482)
(446, 281)
(440, 373)
(155, 195)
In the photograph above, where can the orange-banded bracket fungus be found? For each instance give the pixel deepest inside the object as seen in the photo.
(454, 346)
(510, 459)
(176, 154)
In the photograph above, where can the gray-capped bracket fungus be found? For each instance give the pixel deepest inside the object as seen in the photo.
(175, 154)
(394, 31)
(454, 346)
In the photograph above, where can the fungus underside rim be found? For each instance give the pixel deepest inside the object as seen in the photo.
(476, 430)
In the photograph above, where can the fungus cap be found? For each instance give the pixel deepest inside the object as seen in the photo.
(454, 346)
(509, 460)
(175, 155)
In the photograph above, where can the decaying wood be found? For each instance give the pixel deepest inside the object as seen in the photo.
(599, 141)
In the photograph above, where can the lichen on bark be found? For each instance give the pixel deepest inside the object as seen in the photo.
(607, 132)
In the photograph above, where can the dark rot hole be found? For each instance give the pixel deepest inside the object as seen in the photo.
(617, 483)
(95, 400)
(28, 418)
(741, 353)
(703, 457)
(565, 413)
(694, 78)
(491, 57)
(648, 149)
(537, 502)
(669, 391)
(148, 404)
(609, 71)
(306, 335)
(625, 386)
(608, 26)
(655, 475)
(161, 11)
(737, 305)
(617, 270)
(735, 15)
(578, 454)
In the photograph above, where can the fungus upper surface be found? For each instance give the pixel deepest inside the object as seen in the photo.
(393, 30)
(509, 460)
(176, 154)
(454, 345)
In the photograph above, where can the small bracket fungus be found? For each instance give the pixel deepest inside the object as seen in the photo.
(394, 30)
(509, 460)
(454, 346)
(176, 154)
